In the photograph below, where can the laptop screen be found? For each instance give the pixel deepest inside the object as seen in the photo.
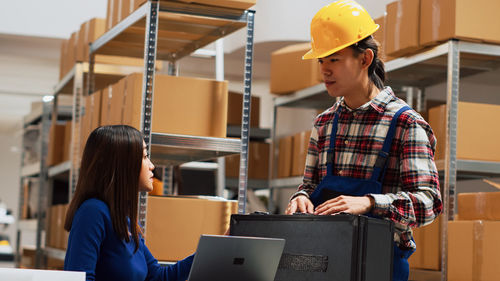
(230, 258)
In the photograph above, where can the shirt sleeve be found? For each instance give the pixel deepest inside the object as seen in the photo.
(419, 201)
(311, 171)
(85, 237)
(156, 272)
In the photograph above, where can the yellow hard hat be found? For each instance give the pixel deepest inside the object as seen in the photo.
(337, 26)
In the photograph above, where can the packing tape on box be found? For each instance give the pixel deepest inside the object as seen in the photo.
(399, 18)
(477, 249)
(436, 19)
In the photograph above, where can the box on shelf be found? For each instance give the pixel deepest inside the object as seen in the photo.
(234, 109)
(182, 105)
(67, 141)
(28, 258)
(300, 146)
(235, 4)
(473, 250)
(479, 206)
(442, 20)
(290, 73)
(56, 144)
(428, 253)
(92, 117)
(258, 162)
(402, 27)
(477, 131)
(285, 157)
(112, 101)
(175, 236)
(76, 49)
(380, 36)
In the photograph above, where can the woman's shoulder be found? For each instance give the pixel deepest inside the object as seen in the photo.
(325, 116)
(93, 207)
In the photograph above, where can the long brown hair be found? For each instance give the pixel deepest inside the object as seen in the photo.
(110, 169)
(376, 70)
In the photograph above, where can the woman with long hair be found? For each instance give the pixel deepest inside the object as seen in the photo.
(105, 239)
(369, 153)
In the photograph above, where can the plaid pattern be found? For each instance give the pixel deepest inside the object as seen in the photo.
(411, 196)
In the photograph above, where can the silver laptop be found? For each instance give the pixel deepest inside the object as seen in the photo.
(236, 258)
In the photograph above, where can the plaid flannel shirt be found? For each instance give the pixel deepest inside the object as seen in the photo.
(410, 190)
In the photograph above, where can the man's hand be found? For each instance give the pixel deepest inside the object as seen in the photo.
(300, 204)
(356, 205)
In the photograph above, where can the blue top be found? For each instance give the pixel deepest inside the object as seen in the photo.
(95, 248)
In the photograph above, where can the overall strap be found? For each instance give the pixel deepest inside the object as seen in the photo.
(381, 163)
(331, 150)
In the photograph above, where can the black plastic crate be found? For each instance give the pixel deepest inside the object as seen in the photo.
(342, 247)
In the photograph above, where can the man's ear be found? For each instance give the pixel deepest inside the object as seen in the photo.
(367, 58)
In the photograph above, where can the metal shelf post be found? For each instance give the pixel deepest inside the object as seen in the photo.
(245, 118)
(150, 38)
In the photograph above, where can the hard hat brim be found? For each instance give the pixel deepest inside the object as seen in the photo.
(317, 55)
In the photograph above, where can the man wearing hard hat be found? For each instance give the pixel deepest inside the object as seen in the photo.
(369, 153)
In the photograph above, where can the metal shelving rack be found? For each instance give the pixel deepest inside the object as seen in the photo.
(447, 62)
(37, 170)
(171, 31)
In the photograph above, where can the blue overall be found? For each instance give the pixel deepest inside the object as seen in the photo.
(332, 186)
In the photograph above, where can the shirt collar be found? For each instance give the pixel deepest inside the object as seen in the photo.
(379, 103)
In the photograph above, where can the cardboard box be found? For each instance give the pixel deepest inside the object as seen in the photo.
(110, 12)
(428, 253)
(300, 146)
(92, 117)
(182, 105)
(67, 141)
(285, 157)
(56, 144)
(290, 73)
(235, 107)
(402, 29)
(174, 237)
(28, 258)
(473, 250)
(112, 101)
(441, 20)
(479, 206)
(477, 131)
(62, 58)
(258, 162)
(91, 30)
(380, 36)
(236, 4)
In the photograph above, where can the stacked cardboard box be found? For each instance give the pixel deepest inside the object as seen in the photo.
(174, 237)
(91, 118)
(402, 29)
(181, 105)
(119, 10)
(299, 152)
(415, 24)
(55, 154)
(258, 162)
(380, 36)
(290, 73)
(473, 249)
(285, 148)
(428, 241)
(234, 109)
(57, 237)
(477, 131)
(76, 48)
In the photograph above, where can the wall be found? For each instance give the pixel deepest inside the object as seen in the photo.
(10, 147)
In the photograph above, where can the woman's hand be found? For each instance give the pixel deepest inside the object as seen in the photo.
(356, 205)
(300, 204)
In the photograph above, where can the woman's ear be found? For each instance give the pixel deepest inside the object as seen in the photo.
(367, 58)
